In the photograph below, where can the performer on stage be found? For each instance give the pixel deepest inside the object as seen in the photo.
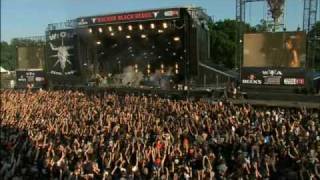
(292, 54)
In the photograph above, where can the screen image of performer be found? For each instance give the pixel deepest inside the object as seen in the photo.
(292, 54)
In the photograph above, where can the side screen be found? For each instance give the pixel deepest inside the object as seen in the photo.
(280, 49)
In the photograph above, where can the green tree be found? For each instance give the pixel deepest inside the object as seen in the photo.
(8, 56)
(223, 35)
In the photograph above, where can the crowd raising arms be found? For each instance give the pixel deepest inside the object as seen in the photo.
(72, 135)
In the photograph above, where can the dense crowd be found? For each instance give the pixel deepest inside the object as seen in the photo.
(73, 135)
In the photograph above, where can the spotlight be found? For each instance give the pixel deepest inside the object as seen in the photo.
(110, 28)
(165, 25)
(176, 38)
(143, 36)
(90, 30)
(160, 31)
(100, 30)
(130, 28)
(177, 71)
(152, 26)
(177, 66)
(128, 36)
(120, 28)
(98, 42)
(111, 34)
(140, 27)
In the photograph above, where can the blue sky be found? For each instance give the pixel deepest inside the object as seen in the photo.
(23, 18)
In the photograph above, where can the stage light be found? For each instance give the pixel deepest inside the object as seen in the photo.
(140, 27)
(100, 30)
(162, 66)
(143, 36)
(98, 42)
(120, 28)
(128, 36)
(160, 31)
(130, 28)
(152, 26)
(110, 28)
(177, 71)
(177, 66)
(176, 38)
(165, 25)
(90, 30)
(174, 54)
(112, 34)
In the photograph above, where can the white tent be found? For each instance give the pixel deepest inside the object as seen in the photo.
(3, 70)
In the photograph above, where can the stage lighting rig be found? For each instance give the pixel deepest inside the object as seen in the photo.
(176, 38)
(165, 25)
(140, 26)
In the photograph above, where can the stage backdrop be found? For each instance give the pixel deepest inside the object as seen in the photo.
(61, 53)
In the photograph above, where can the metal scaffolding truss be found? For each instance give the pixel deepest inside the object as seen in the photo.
(309, 20)
(240, 17)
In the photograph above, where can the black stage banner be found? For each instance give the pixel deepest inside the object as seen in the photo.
(61, 60)
(133, 16)
(34, 78)
(273, 76)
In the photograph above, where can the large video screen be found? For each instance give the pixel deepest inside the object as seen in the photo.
(30, 57)
(279, 49)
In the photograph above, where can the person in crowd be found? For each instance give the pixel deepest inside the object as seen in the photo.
(73, 135)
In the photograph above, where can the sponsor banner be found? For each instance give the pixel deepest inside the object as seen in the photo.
(61, 60)
(134, 16)
(293, 81)
(273, 76)
(34, 78)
